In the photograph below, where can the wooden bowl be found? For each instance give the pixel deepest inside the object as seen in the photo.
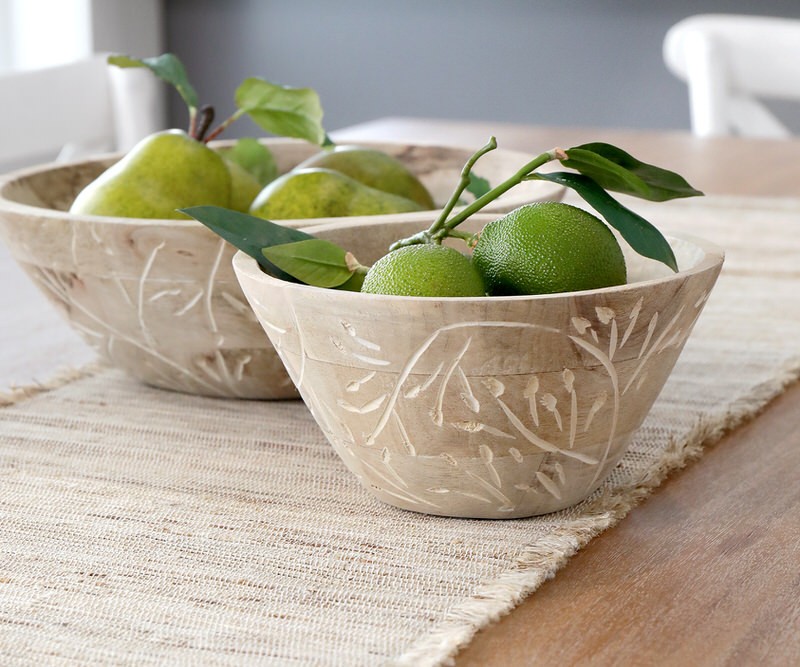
(158, 298)
(492, 407)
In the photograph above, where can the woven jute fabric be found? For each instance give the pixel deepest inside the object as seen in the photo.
(143, 527)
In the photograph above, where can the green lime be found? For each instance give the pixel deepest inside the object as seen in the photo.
(546, 248)
(425, 269)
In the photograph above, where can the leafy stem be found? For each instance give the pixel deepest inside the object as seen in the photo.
(469, 239)
(444, 227)
(294, 255)
(601, 167)
(505, 186)
(461, 185)
(224, 125)
(281, 110)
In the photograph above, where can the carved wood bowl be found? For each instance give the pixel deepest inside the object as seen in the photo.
(492, 407)
(158, 298)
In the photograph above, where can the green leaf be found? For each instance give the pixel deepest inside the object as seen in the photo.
(314, 262)
(642, 236)
(614, 169)
(255, 157)
(248, 233)
(166, 67)
(477, 186)
(281, 110)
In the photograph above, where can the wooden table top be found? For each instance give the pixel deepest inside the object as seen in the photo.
(716, 166)
(670, 594)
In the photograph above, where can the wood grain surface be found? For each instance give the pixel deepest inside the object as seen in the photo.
(705, 572)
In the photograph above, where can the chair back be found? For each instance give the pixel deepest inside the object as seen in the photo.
(75, 110)
(731, 63)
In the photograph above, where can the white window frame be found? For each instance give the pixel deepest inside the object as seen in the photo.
(43, 33)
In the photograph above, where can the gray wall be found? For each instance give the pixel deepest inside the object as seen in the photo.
(550, 62)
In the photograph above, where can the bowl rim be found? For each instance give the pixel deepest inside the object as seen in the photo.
(549, 191)
(713, 258)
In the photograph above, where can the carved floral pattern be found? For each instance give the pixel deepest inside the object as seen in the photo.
(541, 438)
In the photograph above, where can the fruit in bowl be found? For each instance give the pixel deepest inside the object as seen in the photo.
(147, 287)
(450, 391)
(150, 289)
(157, 297)
(161, 174)
(176, 169)
(344, 180)
(491, 407)
(319, 193)
(375, 169)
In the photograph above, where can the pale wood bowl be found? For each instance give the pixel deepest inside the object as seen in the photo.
(158, 298)
(493, 407)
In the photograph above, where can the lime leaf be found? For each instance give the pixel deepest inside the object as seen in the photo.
(642, 236)
(166, 67)
(477, 186)
(248, 233)
(281, 110)
(255, 157)
(614, 169)
(313, 261)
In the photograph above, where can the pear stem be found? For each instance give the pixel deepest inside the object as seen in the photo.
(223, 125)
(206, 118)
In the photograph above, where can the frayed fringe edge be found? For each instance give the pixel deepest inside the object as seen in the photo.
(543, 559)
(60, 379)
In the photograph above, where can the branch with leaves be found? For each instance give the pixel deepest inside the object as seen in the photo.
(601, 167)
(280, 110)
(597, 168)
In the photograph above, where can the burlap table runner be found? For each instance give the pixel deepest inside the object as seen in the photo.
(141, 527)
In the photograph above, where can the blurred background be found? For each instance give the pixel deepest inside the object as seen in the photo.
(553, 62)
(556, 63)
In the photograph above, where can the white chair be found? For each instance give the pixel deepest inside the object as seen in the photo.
(727, 62)
(75, 110)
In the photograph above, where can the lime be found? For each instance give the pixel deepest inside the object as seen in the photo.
(548, 247)
(425, 269)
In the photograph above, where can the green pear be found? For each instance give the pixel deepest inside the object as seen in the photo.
(252, 166)
(244, 187)
(165, 171)
(324, 193)
(375, 169)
